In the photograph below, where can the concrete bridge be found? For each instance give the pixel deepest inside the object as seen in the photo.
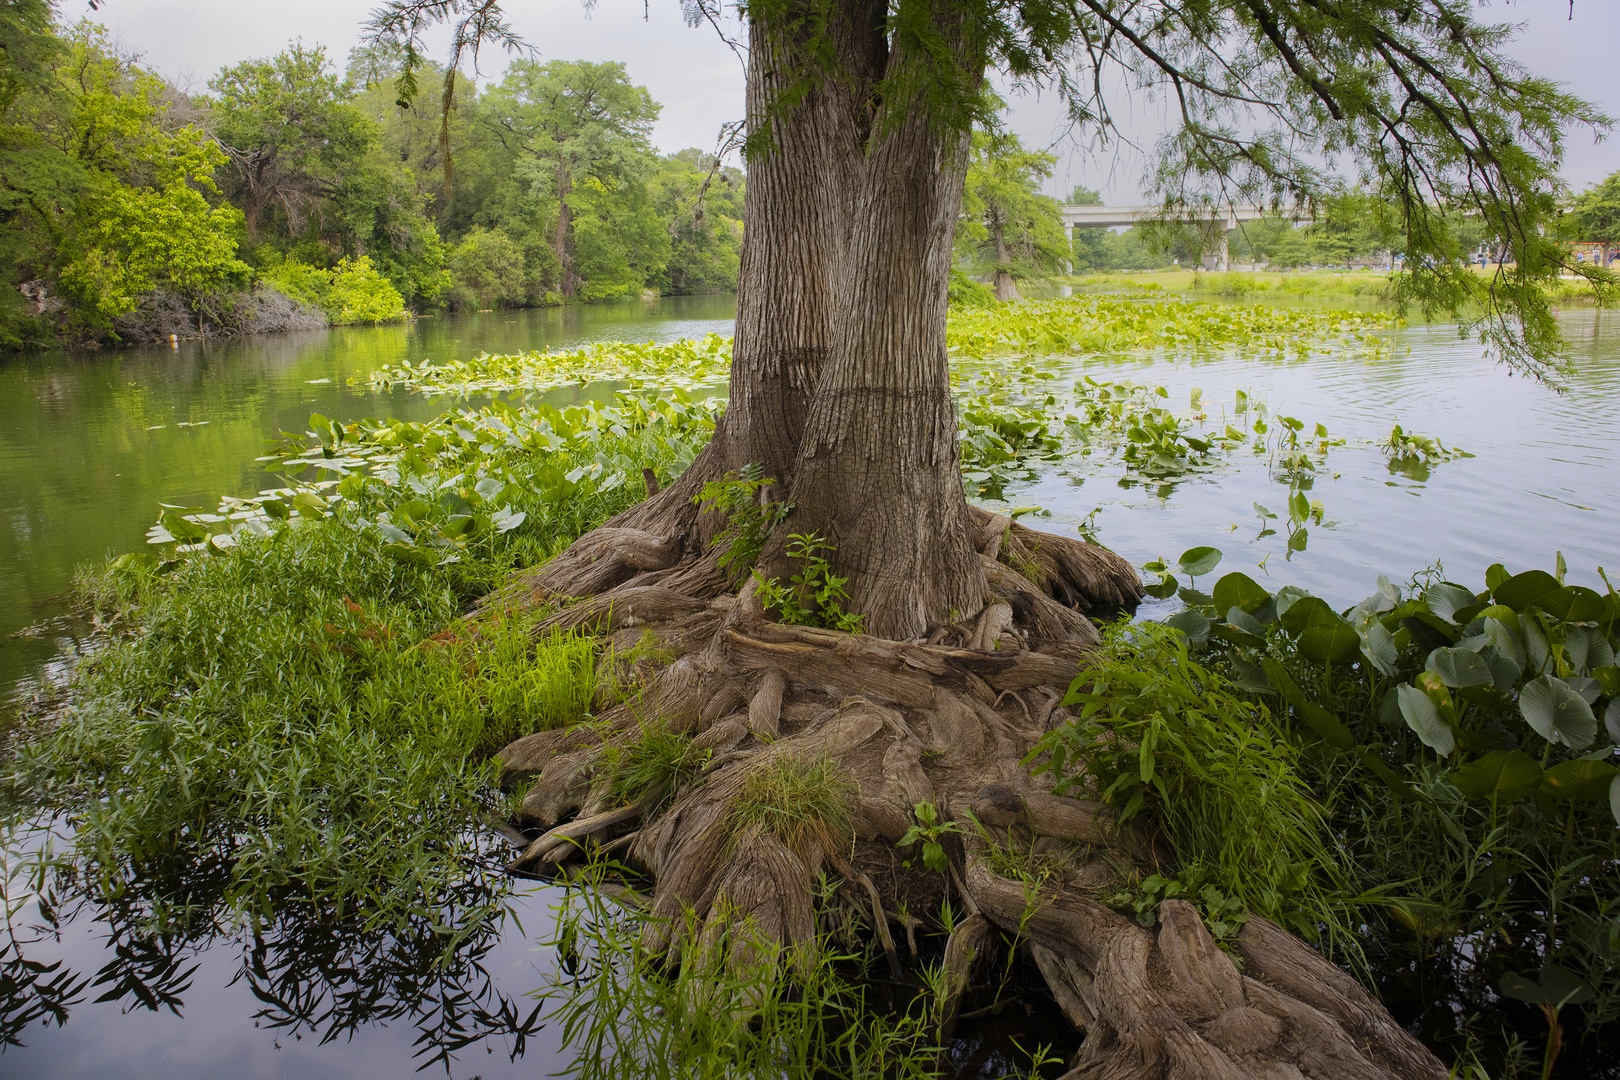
(1222, 220)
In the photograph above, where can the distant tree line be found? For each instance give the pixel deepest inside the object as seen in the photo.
(128, 206)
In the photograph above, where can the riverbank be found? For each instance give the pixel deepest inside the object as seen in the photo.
(1036, 429)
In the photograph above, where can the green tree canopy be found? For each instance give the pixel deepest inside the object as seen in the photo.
(1596, 212)
(580, 132)
(1006, 222)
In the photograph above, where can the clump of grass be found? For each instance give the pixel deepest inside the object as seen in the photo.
(799, 800)
(656, 766)
(1158, 735)
(622, 1012)
(276, 710)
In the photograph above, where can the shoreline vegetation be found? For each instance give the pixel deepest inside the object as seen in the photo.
(315, 692)
(294, 193)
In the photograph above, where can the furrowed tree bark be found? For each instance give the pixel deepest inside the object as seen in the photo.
(879, 467)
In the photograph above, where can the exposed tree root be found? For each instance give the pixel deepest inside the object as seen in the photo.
(810, 750)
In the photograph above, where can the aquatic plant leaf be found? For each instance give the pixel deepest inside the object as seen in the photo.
(1509, 774)
(1586, 648)
(1198, 561)
(1306, 612)
(1555, 986)
(1504, 638)
(1459, 667)
(1581, 780)
(1194, 624)
(1614, 799)
(1336, 643)
(1557, 713)
(1424, 719)
(1239, 590)
(1521, 591)
(1573, 603)
(1611, 720)
(1378, 646)
(1446, 599)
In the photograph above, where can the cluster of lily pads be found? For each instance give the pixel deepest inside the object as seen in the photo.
(1512, 684)
(1115, 324)
(434, 489)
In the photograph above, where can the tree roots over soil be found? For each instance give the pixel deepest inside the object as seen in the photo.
(759, 754)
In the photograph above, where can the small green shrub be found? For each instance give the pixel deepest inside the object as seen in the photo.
(1159, 735)
(361, 294)
(750, 518)
(815, 595)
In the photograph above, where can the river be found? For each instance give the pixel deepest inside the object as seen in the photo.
(93, 442)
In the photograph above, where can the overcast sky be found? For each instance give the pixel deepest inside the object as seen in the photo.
(699, 81)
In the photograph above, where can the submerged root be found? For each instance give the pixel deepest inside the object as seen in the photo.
(796, 753)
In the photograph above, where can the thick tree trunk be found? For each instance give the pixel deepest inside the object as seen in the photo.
(563, 240)
(1006, 288)
(879, 468)
(796, 221)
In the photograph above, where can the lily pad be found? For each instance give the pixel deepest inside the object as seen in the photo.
(1557, 713)
(1521, 591)
(1239, 590)
(1459, 667)
(1198, 561)
(1508, 774)
(1424, 719)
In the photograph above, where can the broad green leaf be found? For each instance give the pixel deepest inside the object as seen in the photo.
(1557, 713)
(1192, 623)
(489, 488)
(1581, 780)
(1586, 648)
(1308, 611)
(1614, 799)
(309, 504)
(1239, 590)
(1611, 721)
(1553, 986)
(1509, 774)
(1495, 574)
(1521, 591)
(1198, 561)
(1505, 672)
(183, 528)
(1336, 643)
(1299, 539)
(1446, 599)
(1424, 719)
(1505, 639)
(1378, 646)
(1459, 667)
(1573, 603)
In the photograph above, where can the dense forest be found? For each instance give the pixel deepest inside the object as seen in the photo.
(294, 193)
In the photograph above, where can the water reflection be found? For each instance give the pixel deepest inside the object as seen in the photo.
(90, 443)
(128, 960)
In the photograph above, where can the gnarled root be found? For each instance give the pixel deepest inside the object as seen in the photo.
(811, 748)
(1168, 1003)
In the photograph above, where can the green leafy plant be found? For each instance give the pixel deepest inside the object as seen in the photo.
(1158, 734)
(931, 832)
(1223, 914)
(751, 517)
(815, 595)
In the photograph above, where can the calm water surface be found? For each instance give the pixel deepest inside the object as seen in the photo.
(91, 443)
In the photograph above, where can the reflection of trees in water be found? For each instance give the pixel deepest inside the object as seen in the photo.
(324, 969)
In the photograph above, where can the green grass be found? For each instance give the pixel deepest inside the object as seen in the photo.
(1166, 739)
(798, 800)
(624, 1012)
